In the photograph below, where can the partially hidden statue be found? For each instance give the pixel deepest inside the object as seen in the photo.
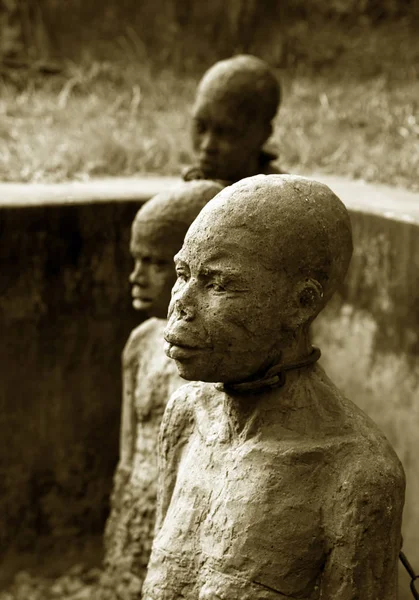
(236, 102)
(272, 484)
(149, 377)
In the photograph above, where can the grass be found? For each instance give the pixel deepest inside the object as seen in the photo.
(351, 107)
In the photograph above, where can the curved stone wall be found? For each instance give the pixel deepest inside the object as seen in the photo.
(64, 317)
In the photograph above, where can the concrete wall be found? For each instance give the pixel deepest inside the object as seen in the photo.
(65, 315)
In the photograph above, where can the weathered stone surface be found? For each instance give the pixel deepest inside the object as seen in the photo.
(149, 378)
(271, 485)
(63, 278)
(236, 101)
(369, 332)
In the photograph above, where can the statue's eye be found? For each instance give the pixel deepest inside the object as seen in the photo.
(161, 264)
(216, 287)
(227, 132)
(200, 127)
(146, 261)
(182, 275)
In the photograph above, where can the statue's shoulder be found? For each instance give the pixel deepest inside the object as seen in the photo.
(178, 419)
(372, 484)
(181, 402)
(373, 460)
(193, 173)
(359, 448)
(184, 401)
(378, 469)
(365, 459)
(140, 336)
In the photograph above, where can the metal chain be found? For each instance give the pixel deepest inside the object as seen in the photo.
(412, 574)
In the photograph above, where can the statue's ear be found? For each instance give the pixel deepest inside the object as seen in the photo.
(308, 298)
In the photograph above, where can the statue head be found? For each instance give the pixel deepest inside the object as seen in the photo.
(157, 234)
(256, 267)
(236, 101)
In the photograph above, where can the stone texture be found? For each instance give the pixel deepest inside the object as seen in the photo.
(269, 487)
(236, 101)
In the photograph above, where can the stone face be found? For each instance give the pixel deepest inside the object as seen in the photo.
(263, 243)
(270, 487)
(149, 378)
(157, 234)
(236, 101)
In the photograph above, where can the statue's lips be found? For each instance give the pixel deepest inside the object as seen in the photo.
(178, 350)
(138, 294)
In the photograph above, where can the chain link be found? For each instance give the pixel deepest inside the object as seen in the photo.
(412, 575)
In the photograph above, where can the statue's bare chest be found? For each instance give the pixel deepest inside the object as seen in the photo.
(248, 505)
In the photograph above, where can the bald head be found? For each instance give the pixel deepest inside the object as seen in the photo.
(244, 83)
(236, 102)
(257, 266)
(292, 224)
(165, 219)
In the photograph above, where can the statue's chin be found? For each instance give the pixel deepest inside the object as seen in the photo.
(140, 304)
(186, 372)
(199, 367)
(193, 372)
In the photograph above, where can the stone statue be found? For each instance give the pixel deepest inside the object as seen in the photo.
(149, 377)
(236, 102)
(272, 484)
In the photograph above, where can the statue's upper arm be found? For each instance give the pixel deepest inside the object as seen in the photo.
(364, 533)
(130, 364)
(174, 433)
(132, 348)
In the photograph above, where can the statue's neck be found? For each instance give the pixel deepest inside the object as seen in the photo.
(297, 356)
(243, 401)
(296, 348)
(241, 412)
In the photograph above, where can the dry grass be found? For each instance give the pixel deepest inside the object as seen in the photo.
(367, 130)
(354, 111)
(95, 123)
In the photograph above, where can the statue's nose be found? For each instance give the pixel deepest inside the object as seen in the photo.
(209, 143)
(183, 312)
(184, 301)
(138, 275)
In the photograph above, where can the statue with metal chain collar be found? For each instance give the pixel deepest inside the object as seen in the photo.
(272, 484)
